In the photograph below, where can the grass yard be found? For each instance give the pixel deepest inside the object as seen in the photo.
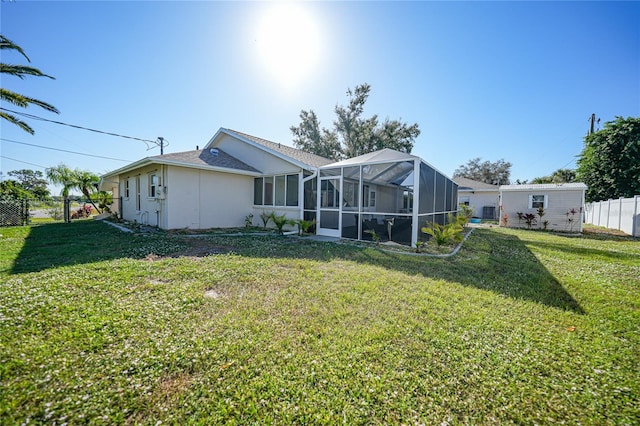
(102, 327)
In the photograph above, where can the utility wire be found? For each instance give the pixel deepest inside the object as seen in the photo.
(64, 150)
(20, 161)
(35, 117)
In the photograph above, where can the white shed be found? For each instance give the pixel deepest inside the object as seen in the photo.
(561, 205)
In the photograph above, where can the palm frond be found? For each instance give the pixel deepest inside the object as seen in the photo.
(14, 120)
(42, 104)
(21, 70)
(5, 43)
(13, 98)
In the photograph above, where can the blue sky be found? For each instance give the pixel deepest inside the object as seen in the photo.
(512, 80)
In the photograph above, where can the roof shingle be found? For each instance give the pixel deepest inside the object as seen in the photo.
(206, 158)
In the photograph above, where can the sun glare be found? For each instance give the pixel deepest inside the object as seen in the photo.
(289, 43)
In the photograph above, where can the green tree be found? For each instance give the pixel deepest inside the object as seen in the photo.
(497, 173)
(32, 181)
(353, 135)
(559, 176)
(610, 162)
(84, 181)
(14, 98)
(12, 189)
(62, 175)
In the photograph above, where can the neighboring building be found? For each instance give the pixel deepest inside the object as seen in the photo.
(238, 174)
(563, 205)
(482, 197)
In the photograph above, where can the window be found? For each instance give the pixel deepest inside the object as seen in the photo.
(281, 190)
(368, 196)
(153, 185)
(126, 188)
(537, 201)
(138, 193)
(464, 200)
(268, 191)
(292, 190)
(257, 191)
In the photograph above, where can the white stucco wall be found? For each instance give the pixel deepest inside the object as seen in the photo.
(148, 213)
(200, 199)
(480, 199)
(559, 203)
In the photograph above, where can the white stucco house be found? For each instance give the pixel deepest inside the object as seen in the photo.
(237, 174)
(483, 198)
(563, 205)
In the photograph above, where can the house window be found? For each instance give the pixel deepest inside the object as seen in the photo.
(292, 190)
(138, 193)
(153, 185)
(281, 190)
(537, 201)
(368, 196)
(464, 200)
(257, 191)
(126, 189)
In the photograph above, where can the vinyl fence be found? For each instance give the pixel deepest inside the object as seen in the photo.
(622, 214)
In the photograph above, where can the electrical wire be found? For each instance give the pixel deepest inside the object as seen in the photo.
(20, 161)
(35, 117)
(64, 150)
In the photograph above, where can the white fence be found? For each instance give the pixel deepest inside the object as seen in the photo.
(622, 214)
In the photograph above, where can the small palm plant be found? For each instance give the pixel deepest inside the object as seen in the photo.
(266, 217)
(374, 235)
(443, 234)
(541, 213)
(304, 225)
(281, 221)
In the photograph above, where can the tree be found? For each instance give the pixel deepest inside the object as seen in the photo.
(32, 181)
(352, 135)
(559, 176)
(14, 98)
(12, 189)
(610, 162)
(497, 173)
(82, 180)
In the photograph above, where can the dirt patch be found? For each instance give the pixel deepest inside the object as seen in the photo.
(212, 294)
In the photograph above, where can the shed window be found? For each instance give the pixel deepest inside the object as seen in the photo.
(537, 201)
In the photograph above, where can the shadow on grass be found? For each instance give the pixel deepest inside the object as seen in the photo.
(62, 244)
(489, 260)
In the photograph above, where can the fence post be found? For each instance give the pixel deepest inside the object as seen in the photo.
(120, 208)
(635, 219)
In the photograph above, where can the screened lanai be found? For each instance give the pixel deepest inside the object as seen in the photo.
(385, 193)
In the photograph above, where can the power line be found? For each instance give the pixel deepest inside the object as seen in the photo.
(25, 162)
(64, 150)
(35, 117)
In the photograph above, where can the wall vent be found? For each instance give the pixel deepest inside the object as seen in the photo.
(214, 152)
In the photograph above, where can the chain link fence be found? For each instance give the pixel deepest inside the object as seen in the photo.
(14, 212)
(20, 212)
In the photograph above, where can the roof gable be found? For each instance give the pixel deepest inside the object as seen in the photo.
(471, 184)
(293, 155)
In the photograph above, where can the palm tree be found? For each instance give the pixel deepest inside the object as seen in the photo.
(82, 180)
(61, 175)
(14, 98)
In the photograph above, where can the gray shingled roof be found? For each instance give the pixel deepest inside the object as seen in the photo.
(291, 152)
(470, 184)
(205, 158)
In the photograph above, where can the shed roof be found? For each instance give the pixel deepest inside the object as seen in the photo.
(545, 187)
(473, 185)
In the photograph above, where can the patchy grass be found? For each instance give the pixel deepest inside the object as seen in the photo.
(101, 327)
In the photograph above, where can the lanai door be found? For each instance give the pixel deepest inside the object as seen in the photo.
(329, 212)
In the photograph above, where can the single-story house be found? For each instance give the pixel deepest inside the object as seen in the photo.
(483, 198)
(236, 175)
(562, 205)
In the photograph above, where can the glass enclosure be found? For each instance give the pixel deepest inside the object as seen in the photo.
(385, 200)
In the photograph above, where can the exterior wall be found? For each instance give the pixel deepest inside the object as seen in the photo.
(148, 213)
(201, 199)
(560, 202)
(255, 157)
(480, 199)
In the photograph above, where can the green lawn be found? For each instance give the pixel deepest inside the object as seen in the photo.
(102, 327)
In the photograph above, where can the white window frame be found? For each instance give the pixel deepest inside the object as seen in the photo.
(138, 194)
(545, 202)
(126, 189)
(152, 190)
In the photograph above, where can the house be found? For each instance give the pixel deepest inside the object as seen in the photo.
(483, 198)
(562, 206)
(236, 174)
